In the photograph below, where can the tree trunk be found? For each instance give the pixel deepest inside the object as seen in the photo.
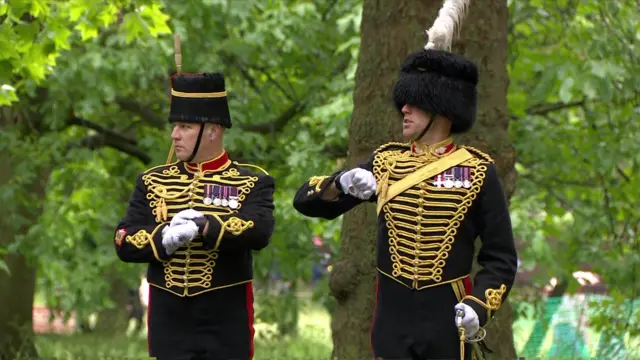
(17, 291)
(390, 30)
(115, 319)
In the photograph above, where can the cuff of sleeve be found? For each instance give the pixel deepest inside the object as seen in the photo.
(215, 231)
(156, 244)
(477, 306)
(335, 180)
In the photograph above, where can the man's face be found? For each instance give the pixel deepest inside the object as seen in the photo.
(184, 136)
(415, 121)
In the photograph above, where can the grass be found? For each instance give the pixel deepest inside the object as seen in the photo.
(313, 342)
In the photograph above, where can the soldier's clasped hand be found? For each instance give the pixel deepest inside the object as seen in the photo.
(358, 182)
(174, 237)
(184, 216)
(470, 321)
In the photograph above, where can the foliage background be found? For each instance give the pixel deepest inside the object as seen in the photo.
(84, 93)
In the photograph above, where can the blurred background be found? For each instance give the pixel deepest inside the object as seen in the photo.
(83, 108)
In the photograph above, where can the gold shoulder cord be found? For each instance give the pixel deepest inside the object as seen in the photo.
(253, 166)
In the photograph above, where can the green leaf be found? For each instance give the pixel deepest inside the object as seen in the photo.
(7, 95)
(4, 267)
(565, 89)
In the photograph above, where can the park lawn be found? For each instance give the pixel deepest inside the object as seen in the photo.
(312, 343)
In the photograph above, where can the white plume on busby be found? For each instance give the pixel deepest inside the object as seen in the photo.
(440, 35)
(437, 80)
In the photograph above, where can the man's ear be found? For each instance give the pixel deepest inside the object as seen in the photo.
(212, 131)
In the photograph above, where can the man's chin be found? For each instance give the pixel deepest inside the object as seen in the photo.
(181, 157)
(408, 135)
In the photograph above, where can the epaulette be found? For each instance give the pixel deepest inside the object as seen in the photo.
(392, 146)
(252, 166)
(478, 153)
(158, 168)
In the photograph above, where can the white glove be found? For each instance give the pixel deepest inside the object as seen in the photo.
(178, 236)
(358, 182)
(184, 216)
(470, 321)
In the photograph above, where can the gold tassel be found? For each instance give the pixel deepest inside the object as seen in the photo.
(161, 211)
(384, 186)
(165, 211)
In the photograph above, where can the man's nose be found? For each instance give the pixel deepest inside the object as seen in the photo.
(406, 109)
(174, 134)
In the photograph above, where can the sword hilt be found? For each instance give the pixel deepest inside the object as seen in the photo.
(459, 316)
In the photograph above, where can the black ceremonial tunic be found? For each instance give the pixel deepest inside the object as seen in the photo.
(431, 207)
(201, 298)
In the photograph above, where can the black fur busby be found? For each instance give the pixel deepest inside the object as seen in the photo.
(199, 98)
(441, 83)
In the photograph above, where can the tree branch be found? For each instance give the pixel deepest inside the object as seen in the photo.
(278, 123)
(94, 142)
(328, 9)
(544, 109)
(562, 201)
(588, 183)
(295, 109)
(147, 114)
(106, 137)
(88, 124)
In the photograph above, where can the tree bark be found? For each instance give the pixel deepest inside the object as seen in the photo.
(390, 30)
(17, 290)
(115, 319)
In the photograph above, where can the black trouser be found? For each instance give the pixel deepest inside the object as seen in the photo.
(216, 325)
(415, 324)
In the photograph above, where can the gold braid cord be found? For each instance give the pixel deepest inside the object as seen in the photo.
(462, 337)
(315, 183)
(237, 226)
(422, 222)
(171, 189)
(493, 299)
(234, 225)
(140, 239)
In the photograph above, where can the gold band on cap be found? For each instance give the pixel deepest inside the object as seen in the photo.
(199, 95)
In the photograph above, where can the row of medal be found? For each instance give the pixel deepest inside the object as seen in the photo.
(221, 195)
(455, 177)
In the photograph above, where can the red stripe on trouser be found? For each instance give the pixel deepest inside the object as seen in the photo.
(250, 316)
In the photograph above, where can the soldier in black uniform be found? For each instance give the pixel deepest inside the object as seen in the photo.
(433, 199)
(196, 222)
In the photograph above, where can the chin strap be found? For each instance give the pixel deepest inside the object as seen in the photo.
(426, 128)
(195, 148)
